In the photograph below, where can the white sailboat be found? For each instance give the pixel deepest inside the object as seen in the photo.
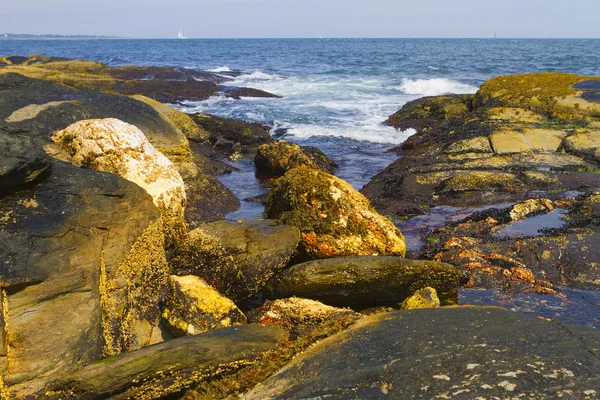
(181, 35)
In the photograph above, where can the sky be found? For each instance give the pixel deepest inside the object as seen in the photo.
(304, 18)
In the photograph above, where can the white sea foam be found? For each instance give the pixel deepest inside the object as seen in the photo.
(220, 69)
(373, 134)
(434, 87)
(431, 67)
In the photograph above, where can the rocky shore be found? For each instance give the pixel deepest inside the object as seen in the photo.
(121, 279)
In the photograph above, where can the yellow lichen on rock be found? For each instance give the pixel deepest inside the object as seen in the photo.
(422, 298)
(507, 141)
(132, 293)
(194, 307)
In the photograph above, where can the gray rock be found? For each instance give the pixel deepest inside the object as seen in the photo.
(363, 282)
(21, 162)
(458, 353)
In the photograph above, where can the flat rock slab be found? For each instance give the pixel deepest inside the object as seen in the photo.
(170, 367)
(587, 85)
(363, 282)
(448, 353)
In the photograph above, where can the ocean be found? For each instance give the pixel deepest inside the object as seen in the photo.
(337, 92)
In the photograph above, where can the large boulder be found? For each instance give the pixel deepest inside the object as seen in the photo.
(334, 219)
(495, 353)
(83, 268)
(168, 368)
(114, 146)
(193, 307)
(518, 136)
(277, 158)
(363, 282)
(236, 258)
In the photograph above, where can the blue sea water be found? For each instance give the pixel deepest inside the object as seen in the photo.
(337, 92)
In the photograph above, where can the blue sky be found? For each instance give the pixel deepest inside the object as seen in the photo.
(306, 18)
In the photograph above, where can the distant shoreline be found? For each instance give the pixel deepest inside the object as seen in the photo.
(12, 36)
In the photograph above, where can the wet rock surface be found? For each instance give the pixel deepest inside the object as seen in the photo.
(535, 260)
(229, 136)
(383, 356)
(363, 282)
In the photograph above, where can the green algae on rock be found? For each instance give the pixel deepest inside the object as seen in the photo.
(334, 219)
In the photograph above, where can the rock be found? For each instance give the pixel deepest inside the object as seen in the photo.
(425, 113)
(193, 307)
(208, 200)
(83, 268)
(229, 135)
(334, 219)
(297, 315)
(517, 136)
(239, 92)
(527, 247)
(182, 121)
(495, 353)
(422, 298)
(22, 162)
(236, 258)
(114, 146)
(277, 158)
(169, 85)
(168, 91)
(363, 282)
(168, 368)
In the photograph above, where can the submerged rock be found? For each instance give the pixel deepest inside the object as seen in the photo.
(363, 282)
(277, 158)
(383, 357)
(298, 315)
(169, 368)
(193, 307)
(422, 298)
(236, 258)
(334, 219)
